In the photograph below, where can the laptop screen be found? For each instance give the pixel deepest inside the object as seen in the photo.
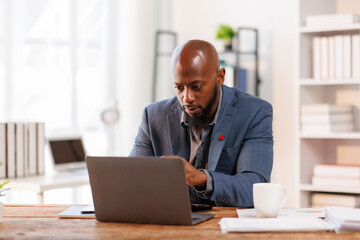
(66, 151)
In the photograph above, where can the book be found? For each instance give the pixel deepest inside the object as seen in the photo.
(331, 61)
(321, 200)
(343, 218)
(338, 40)
(326, 108)
(10, 150)
(316, 57)
(32, 149)
(331, 20)
(2, 150)
(40, 136)
(335, 181)
(289, 224)
(335, 118)
(355, 54)
(346, 56)
(347, 154)
(335, 170)
(20, 150)
(324, 58)
(327, 128)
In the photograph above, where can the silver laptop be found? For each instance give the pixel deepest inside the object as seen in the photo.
(141, 190)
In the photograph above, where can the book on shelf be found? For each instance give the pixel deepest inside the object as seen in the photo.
(321, 200)
(331, 60)
(32, 149)
(20, 150)
(331, 20)
(336, 182)
(324, 58)
(10, 150)
(40, 141)
(2, 150)
(326, 108)
(346, 56)
(338, 42)
(327, 128)
(336, 170)
(347, 154)
(335, 118)
(355, 43)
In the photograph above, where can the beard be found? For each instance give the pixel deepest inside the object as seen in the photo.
(198, 122)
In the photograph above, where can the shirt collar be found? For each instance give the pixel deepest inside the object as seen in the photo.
(183, 121)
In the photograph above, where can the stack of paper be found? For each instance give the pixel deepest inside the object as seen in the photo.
(288, 220)
(288, 224)
(343, 218)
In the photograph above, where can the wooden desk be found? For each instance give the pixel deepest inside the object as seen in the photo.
(41, 222)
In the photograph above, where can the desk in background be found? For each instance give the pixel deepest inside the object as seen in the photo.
(40, 184)
(41, 222)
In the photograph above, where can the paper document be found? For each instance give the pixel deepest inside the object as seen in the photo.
(75, 212)
(288, 224)
(286, 212)
(343, 218)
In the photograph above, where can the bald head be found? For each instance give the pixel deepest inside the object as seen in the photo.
(194, 54)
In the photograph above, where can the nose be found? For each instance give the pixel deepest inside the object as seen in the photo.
(188, 96)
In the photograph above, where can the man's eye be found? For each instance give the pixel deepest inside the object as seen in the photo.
(196, 87)
(179, 88)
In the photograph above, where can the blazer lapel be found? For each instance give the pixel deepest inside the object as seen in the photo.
(221, 128)
(178, 134)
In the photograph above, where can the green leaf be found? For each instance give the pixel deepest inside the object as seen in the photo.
(4, 183)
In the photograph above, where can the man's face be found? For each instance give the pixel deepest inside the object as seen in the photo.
(196, 90)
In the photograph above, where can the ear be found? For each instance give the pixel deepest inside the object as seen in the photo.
(220, 77)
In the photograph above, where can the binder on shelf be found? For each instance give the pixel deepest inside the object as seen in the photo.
(40, 147)
(331, 61)
(338, 40)
(346, 56)
(2, 150)
(242, 79)
(20, 150)
(355, 44)
(324, 58)
(10, 151)
(348, 154)
(32, 156)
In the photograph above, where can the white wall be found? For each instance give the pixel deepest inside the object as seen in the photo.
(276, 21)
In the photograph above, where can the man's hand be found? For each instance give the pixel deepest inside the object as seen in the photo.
(194, 177)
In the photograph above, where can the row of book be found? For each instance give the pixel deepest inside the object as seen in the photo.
(21, 149)
(336, 57)
(336, 175)
(324, 118)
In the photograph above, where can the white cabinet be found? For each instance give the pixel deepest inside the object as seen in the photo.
(315, 147)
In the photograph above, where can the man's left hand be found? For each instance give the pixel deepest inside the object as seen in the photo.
(194, 177)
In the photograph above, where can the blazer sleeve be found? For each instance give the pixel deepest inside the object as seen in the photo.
(143, 144)
(254, 163)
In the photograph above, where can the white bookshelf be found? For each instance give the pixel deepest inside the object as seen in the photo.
(313, 148)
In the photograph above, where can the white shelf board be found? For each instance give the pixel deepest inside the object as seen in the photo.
(315, 188)
(339, 135)
(319, 82)
(342, 28)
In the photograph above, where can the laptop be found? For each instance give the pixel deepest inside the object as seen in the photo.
(68, 153)
(141, 190)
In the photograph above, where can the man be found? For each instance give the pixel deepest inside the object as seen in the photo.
(223, 135)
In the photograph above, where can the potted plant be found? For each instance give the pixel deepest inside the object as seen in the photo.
(2, 190)
(226, 33)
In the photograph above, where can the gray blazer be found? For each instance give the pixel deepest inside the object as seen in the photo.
(242, 158)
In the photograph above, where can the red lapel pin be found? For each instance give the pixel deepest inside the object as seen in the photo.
(221, 137)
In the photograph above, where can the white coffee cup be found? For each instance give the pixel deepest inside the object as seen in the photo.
(268, 199)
